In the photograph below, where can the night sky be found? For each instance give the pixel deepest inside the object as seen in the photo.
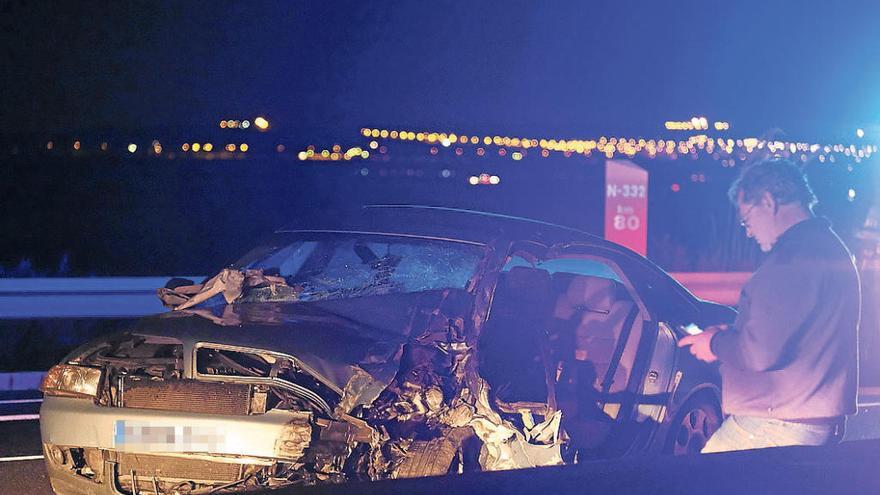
(557, 68)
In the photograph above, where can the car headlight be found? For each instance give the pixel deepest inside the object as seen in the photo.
(72, 381)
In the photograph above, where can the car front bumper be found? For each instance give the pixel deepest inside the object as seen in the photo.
(70, 427)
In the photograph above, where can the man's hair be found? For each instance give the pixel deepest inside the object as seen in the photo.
(782, 179)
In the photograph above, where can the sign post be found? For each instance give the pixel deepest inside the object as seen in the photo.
(626, 205)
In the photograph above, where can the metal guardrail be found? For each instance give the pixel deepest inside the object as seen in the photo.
(21, 380)
(98, 297)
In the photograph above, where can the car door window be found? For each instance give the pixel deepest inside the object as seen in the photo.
(594, 333)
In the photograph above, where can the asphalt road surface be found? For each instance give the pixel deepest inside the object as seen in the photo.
(21, 458)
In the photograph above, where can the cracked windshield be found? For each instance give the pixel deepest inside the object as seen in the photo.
(345, 266)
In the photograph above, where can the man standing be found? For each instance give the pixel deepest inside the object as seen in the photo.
(789, 364)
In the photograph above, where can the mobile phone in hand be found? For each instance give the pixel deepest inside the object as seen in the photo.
(691, 329)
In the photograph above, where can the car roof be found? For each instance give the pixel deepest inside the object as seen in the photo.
(444, 222)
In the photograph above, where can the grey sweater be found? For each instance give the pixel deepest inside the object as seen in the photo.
(793, 351)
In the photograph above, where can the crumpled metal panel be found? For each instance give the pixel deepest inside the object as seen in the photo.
(229, 282)
(506, 447)
(294, 438)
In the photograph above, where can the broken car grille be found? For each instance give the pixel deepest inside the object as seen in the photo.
(147, 466)
(186, 396)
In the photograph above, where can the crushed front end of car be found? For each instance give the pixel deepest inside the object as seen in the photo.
(186, 404)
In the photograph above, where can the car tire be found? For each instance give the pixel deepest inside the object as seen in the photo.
(695, 422)
(428, 458)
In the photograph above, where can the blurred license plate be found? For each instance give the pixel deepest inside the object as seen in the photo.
(153, 436)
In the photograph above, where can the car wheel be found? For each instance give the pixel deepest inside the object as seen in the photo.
(428, 458)
(456, 451)
(696, 421)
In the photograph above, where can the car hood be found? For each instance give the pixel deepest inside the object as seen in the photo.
(351, 345)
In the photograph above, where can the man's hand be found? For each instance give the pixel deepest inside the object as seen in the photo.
(700, 343)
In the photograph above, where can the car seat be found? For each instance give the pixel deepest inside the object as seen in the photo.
(512, 338)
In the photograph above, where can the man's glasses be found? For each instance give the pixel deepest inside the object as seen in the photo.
(744, 220)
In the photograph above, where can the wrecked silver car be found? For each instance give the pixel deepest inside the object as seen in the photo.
(397, 341)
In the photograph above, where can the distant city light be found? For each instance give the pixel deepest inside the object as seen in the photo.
(729, 151)
(104, 146)
(196, 147)
(50, 145)
(223, 124)
(76, 145)
(695, 123)
(230, 147)
(243, 147)
(365, 172)
(494, 180)
(852, 194)
(445, 173)
(245, 124)
(184, 147)
(280, 148)
(473, 180)
(860, 133)
(208, 147)
(675, 187)
(132, 147)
